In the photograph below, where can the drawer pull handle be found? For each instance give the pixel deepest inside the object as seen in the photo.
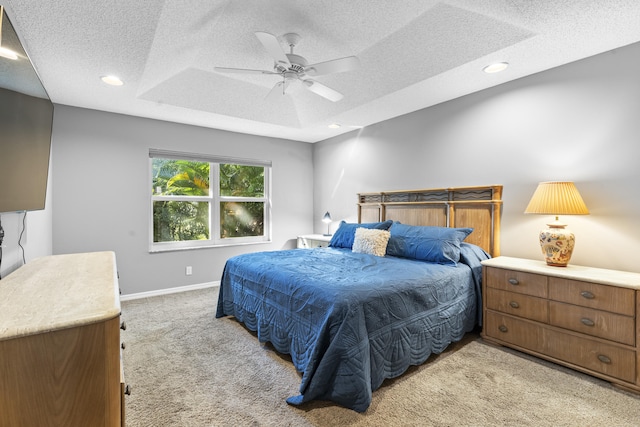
(123, 345)
(127, 390)
(604, 359)
(587, 322)
(123, 325)
(514, 281)
(514, 304)
(502, 328)
(587, 295)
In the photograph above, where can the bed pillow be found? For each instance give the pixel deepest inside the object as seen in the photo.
(344, 235)
(371, 241)
(434, 244)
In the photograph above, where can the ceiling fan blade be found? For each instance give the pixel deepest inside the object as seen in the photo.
(334, 66)
(277, 90)
(242, 71)
(322, 90)
(271, 44)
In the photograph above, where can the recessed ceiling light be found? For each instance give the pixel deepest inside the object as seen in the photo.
(112, 80)
(334, 125)
(8, 53)
(496, 68)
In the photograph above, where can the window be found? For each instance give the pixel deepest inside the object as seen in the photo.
(203, 201)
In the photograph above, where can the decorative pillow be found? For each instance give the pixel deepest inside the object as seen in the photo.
(434, 244)
(344, 235)
(371, 241)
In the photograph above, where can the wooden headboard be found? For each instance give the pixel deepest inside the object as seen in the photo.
(473, 207)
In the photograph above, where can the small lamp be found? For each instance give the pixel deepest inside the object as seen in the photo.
(557, 198)
(327, 220)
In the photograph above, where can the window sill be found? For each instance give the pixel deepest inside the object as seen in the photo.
(191, 248)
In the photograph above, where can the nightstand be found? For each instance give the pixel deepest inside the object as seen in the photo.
(580, 317)
(313, 241)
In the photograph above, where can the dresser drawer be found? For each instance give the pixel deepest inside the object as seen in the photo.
(607, 359)
(518, 304)
(598, 323)
(516, 281)
(602, 297)
(514, 331)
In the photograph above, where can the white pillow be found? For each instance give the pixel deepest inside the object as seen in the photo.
(371, 241)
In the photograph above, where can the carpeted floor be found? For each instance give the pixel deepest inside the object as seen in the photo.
(187, 368)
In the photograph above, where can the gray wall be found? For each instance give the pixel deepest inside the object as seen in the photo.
(579, 122)
(101, 195)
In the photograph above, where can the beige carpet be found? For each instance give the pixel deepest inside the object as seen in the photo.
(187, 368)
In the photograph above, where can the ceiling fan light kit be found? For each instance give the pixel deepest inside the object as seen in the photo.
(292, 67)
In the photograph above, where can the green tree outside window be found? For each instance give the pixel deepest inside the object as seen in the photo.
(182, 200)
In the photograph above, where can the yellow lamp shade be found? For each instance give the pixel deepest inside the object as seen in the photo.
(557, 198)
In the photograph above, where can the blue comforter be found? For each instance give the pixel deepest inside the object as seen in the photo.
(350, 320)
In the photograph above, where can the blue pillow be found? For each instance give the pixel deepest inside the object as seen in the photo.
(434, 244)
(346, 232)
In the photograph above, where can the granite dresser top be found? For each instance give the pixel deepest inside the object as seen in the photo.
(603, 276)
(58, 292)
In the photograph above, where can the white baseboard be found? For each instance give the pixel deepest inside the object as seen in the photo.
(139, 295)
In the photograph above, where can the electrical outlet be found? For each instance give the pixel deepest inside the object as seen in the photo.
(188, 271)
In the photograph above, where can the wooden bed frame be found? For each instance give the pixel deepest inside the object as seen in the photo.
(473, 207)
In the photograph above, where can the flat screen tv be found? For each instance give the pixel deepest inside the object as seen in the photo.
(26, 118)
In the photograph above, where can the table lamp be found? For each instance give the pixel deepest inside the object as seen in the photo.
(327, 220)
(557, 198)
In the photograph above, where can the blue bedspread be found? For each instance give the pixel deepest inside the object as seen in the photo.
(350, 320)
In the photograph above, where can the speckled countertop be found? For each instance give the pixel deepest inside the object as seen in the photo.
(623, 279)
(58, 292)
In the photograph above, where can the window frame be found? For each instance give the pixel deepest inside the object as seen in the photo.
(214, 199)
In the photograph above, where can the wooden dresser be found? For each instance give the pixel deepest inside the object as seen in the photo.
(60, 359)
(585, 318)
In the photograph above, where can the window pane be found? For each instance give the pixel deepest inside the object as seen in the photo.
(180, 221)
(241, 180)
(241, 219)
(180, 178)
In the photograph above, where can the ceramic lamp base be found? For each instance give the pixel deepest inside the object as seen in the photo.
(557, 245)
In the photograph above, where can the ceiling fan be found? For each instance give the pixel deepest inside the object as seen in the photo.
(292, 68)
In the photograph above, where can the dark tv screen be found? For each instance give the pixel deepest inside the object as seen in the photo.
(25, 132)
(26, 118)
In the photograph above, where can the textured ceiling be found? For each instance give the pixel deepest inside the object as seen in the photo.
(412, 53)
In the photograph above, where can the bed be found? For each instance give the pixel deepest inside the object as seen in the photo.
(351, 316)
